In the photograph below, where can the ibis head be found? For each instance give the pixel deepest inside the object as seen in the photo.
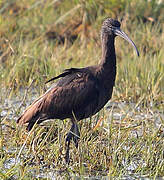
(112, 28)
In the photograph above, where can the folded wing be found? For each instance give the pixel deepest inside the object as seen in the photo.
(75, 94)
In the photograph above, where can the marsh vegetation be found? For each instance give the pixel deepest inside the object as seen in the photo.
(38, 40)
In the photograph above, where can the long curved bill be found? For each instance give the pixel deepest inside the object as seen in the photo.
(120, 33)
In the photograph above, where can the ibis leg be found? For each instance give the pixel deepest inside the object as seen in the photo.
(74, 135)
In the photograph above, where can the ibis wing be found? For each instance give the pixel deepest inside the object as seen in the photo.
(79, 96)
(76, 95)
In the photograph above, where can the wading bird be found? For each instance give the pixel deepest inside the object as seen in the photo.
(81, 92)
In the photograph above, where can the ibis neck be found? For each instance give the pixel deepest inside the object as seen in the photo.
(108, 59)
(107, 71)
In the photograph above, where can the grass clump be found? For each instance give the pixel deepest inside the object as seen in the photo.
(39, 39)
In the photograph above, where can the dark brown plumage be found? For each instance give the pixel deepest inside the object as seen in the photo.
(81, 92)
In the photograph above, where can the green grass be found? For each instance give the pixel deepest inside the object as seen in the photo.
(132, 144)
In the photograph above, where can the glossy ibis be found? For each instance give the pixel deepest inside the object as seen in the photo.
(80, 92)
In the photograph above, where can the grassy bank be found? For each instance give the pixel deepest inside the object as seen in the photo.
(38, 40)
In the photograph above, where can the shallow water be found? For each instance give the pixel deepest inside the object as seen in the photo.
(118, 111)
